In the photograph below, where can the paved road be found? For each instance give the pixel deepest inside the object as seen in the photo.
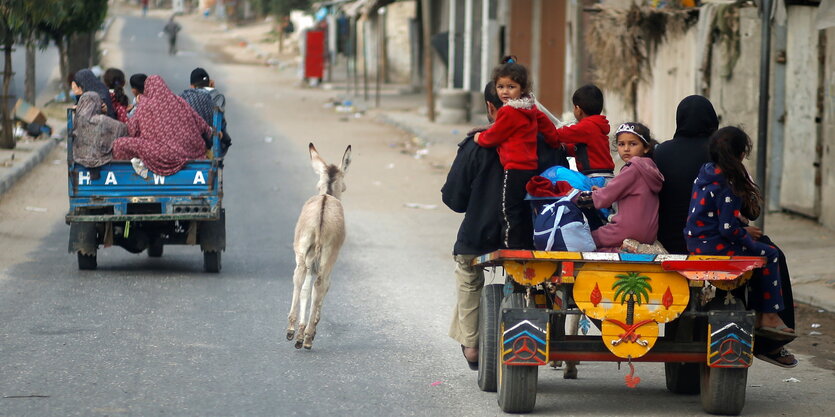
(141, 337)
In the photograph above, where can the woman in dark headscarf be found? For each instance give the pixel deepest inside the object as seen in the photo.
(94, 132)
(679, 160)
(87, 81)
(164, 133)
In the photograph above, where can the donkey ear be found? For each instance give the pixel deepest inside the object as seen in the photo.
(319, 165)
(346, 159)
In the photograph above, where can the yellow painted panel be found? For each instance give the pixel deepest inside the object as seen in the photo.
(591, 286)
(568, 256)
(619, 267)
(614, 338)
(530, 273)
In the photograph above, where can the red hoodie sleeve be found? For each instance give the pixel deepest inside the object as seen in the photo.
(578, 133)
(507, 123)
(547, 128)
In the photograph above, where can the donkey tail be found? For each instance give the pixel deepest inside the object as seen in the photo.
(313, 256)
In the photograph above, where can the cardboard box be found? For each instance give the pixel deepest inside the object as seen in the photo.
(28, 113)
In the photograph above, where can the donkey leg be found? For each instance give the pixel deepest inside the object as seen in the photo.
(298, 278)
(320, 289)
(305, 302)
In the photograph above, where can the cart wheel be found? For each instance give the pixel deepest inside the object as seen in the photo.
(723, 389)
(516, 384)
(488, 335)
(211, 261)
(155, 249)
(682, 378)
(87, 262)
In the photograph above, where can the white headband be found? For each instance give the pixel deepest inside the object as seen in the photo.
(630, 128)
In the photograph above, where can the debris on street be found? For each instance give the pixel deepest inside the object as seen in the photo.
(421, 206)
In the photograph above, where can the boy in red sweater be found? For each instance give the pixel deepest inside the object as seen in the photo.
(514, 135)
(588, 140)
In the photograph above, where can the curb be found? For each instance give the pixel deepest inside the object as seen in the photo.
(813, 295)
(18, 171)
(406, 127)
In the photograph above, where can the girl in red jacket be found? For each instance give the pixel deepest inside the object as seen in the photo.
(514, 135)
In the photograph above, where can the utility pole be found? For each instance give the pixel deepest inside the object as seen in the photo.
(762, 118)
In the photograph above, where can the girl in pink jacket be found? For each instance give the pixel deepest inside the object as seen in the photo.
(635, 190)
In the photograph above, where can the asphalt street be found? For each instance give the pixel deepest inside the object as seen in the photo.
(154, 337)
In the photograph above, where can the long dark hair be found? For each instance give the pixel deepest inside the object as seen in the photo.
(114, 79)
(727, 148)
(511, 68)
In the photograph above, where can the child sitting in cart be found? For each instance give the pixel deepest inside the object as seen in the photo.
(588, 139)
(514, 134)
(635, 190)
(722, 194)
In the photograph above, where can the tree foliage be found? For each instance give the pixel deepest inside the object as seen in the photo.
(19, 20)
(57, 20)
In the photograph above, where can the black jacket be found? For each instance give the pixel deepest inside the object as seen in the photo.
(473, 187)
(679, 160)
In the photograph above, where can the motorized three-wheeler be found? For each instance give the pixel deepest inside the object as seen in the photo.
(119, 206)
(631, 308)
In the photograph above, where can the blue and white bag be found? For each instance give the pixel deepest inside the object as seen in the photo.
(559, 225)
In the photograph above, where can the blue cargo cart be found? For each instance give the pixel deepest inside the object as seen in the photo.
(120, 207)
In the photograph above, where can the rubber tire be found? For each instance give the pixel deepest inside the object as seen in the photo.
(489, 313)
(723, 389)
(516, 384)
(682, 378)
(211, 261)
(87, 262)
(155, 249)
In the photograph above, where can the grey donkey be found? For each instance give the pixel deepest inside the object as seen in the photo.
(320, 232)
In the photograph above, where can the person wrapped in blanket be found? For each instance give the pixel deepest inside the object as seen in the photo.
(165, 132)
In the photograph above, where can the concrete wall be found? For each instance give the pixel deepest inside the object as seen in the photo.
(674, 72)
(397, 19)
(799, 191)
(736, 99)
(398, 46)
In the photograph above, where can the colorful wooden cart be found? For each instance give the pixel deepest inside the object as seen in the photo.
(628, 299)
